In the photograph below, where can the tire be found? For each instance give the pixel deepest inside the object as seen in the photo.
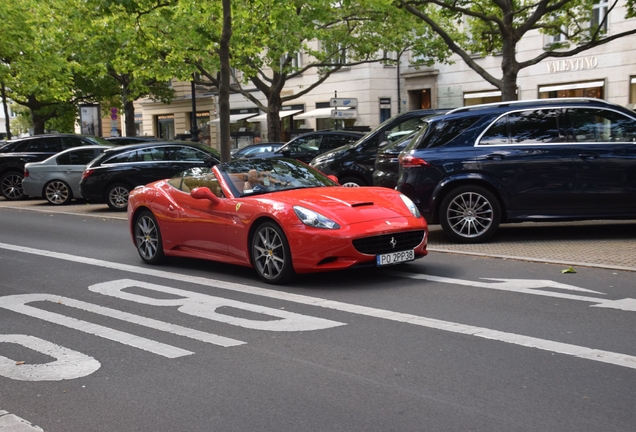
(470, 214)
(351, 182)
(270, 253)
(148, 238)
(11, 186)
(117, 197)
(57, 192)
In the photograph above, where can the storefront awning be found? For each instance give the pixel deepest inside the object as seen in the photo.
(235, 117)
(572, 86)
(319, 113)
(281, 114)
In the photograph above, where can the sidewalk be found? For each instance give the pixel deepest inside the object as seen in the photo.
(603, 244)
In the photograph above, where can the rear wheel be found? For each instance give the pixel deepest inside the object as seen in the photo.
(117, 197)
(270, 254)
(148, 238)
(11, 186)
(351, 182)
(57, 192)
(470, 214)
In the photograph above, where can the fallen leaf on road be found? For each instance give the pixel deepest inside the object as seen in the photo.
(568, 270)
(20, 362)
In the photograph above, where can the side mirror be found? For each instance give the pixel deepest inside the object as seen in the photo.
(333, 178)
(204, 193)
(286, 153)
(384, 144)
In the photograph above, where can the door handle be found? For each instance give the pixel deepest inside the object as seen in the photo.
(495, 156)
(171, 207)
(588, 155)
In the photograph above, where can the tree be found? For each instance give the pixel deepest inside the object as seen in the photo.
(268, 35)
(488, 27)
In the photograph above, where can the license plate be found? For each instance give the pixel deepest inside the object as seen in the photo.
(394, 257)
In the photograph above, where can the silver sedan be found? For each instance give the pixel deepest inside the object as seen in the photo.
(57, 178)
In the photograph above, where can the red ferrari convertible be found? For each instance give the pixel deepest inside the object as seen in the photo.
(279, 216)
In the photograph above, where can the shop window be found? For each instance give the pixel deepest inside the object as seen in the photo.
(593, 89)
(632, 90)
(477, 98)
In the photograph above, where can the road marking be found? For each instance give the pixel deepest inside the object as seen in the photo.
(68, 364)
(12, 423)
(617, 359)
(205, 306)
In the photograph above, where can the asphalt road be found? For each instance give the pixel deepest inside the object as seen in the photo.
(447, 343)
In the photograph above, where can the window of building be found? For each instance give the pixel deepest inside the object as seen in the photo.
(632, 90)
(476, 98)
(391, 58)
(599, 15)
(593, 89)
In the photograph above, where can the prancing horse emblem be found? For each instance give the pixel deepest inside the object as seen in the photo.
(393, 242)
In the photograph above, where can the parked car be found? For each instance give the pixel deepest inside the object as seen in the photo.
(57, 178)
(387, 164)
(130, 140)
(354, 163)
(110, 177)
(256, 150)
(541, 160)
(16, 153)
(291, 220)
(307, 146)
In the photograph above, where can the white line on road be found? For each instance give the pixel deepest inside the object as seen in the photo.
(617, 359)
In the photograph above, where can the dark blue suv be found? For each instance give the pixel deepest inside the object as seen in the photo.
(541, 160)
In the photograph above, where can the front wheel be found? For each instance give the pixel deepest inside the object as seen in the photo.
(117, 197)
(11, 186)
(57, 192)
(470, 214)
(351, 182)
(271, 256)
(148, 238)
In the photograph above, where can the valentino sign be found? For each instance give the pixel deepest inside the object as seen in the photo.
(574, 64)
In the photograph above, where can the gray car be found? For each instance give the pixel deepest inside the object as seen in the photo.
(57, 178)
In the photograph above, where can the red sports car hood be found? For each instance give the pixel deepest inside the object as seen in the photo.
(349, 205)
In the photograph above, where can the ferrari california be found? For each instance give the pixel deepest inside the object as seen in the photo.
(279, 216)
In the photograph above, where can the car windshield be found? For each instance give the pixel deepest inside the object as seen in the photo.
(259, 176)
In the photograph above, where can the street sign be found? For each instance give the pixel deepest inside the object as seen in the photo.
(344, 114)
(343, 102)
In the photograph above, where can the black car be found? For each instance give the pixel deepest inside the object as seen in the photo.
(255, 150)
(307, 146)
(542, 160)
(387, 165)
(110, 177)
(16, 153)
(354, 163)
(130, 140)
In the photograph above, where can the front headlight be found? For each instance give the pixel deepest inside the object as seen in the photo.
(313, 219)
(411, 206)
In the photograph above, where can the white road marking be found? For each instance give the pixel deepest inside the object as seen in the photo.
(17, 303)
(68, 364)
(528, 286)
(617, 359)
(12, 423)
(205, 306)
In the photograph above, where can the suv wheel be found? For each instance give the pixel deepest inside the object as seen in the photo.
(117, 197)
(351, 182)
(470, 214)
(11, 186)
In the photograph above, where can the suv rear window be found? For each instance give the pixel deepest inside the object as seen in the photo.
(526, 127)
(598, 125)
(445, 131)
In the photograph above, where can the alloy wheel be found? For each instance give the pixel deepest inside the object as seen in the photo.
(57, 192)
(12, 186)
(269, 253)
(147, 238)
(470, 214)
(118, 197)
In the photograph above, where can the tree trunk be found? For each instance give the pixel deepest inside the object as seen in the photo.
(6, 110)
(224, 87)
(129, 112)
(509, 67)
(274, 103)
(38, 122)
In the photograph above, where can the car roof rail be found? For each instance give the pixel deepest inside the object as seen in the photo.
(549, 101)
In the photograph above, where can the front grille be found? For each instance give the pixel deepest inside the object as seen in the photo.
(389, 242)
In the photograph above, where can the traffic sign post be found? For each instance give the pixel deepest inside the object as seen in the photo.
(344, 114)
